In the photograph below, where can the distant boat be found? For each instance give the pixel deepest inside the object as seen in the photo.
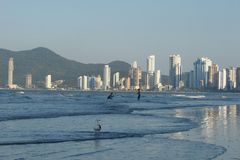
(98, 127)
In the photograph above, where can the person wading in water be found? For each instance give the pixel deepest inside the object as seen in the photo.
(139, 94)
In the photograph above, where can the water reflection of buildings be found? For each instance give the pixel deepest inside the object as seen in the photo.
(215, 120)
(220, 118)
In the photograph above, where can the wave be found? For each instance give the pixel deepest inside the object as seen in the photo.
(48, 137)
(191, 97)
(67, 137)
(73, 111)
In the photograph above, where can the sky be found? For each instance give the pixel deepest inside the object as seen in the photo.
(100, 31)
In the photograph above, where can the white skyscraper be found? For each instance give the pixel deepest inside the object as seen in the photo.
(48, 81)
(116, 79)
(150, 72)
(157, 79)
(201, 67)
(135, 77)
(80, 82)
(10, 72)
(85, 83)
(106, 77)
(222, 79)
(175, 70)
(151, 64)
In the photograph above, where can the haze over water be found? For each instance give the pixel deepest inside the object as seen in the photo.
(59, 125)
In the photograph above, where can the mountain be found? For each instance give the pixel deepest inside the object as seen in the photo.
(41, 61)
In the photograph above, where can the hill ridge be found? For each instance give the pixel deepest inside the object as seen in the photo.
(41, 61)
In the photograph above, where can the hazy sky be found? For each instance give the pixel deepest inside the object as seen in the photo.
(99, 31)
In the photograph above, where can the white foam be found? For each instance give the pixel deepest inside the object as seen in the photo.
(192, 97)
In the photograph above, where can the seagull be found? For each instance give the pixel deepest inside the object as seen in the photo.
(98, 127)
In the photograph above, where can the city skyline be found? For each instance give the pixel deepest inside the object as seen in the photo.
(205, 75)
(98, 32)
(145, 65)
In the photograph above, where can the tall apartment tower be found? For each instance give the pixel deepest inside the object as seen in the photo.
(201, 68)
(48, 82)
(80, 82)
(10, 72)
(106, 77)
(238, 78)
(150, 72)
(116, 79)
(92, 83)
(191, 79)
(151, 64)
(98, 82)
(213, 76)
(231, 78)
(85, 82)
(222, 79)
(28, 82)
(135, 74)
(157, 79)
(175, 70)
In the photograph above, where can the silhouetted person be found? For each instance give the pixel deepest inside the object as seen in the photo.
(139, 93)
(110, 96)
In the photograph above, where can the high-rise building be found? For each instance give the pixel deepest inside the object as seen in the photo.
(98, 82)
(92, 83)
(201, 67)
(116, 79)
(191, 79)
(128, 83)
(222, 79)
(157, 79)
(185, 80)
(213, 76)
(151, 64)
(28, 82)
(85, 83)
(10, 72)
(150, 78)
(175, 70)
(106, 77)
(231, 78)
(150, 72)
(238, 78)
(135, 74)
(80, 82)
(48, 82)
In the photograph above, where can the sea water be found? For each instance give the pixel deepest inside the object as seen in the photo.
(59, 125)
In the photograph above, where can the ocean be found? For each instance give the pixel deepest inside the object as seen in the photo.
(58, 125)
